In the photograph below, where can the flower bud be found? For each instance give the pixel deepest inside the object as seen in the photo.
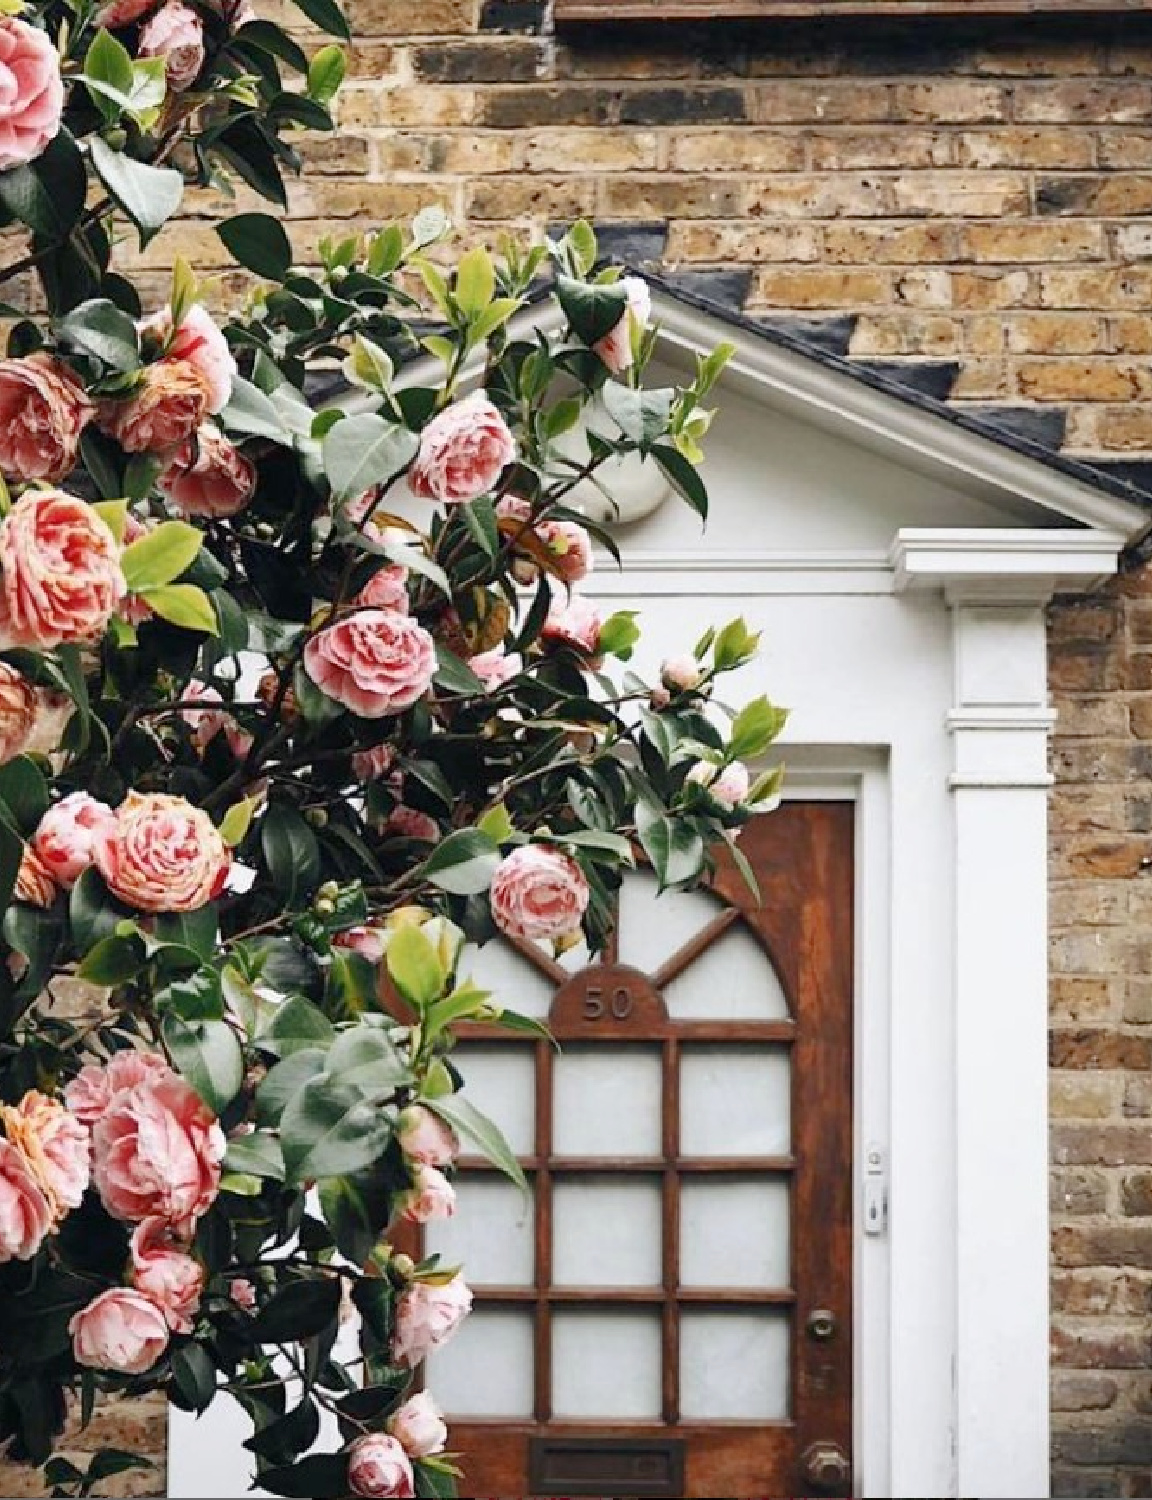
(403, 1265)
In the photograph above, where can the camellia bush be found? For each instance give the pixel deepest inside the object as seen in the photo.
(299, 696)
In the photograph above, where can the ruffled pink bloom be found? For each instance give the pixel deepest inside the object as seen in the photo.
(63, 839)
(427, 1316)
(94, 1089)
(164, 410)
(496, 667)
(197, 342)
(25, 1213)
(463, 452)
(120, 1330)
(368, 942)
(43, 411)
(34, 883)
(157, 1153)
(728, 787)
(570, 548)
(615, 348)
(511, 508)
(411, 823)
(387, 589)
(419, 1425)
(538, 893)
(162, 854)
(31, 92)
(576, 623)
(379, 1468)
(425, 1138)
(164, 1271)
(206, 723)
(55, 1146)
(117, 13)
(62, 576)
(18, 706)
(431, 1196)
(681, 673)
(243, 1293)
(175, 33)
(373, 763)
(376, 662)
(209, 476)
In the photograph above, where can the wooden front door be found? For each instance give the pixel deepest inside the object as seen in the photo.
(671, 1313)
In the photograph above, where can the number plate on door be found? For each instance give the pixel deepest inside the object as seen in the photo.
(612, 1466)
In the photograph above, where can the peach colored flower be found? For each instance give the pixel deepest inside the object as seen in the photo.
(197, 342)
(162, 854)
(431, 1196)
(163, 411)
(63, 839)
(376, 662)
(368, 942)
(411, 823)
(419, 1426)
(576, 623)
(34, 883)
(55, 1146)
(175, 33)
(728, 787)
(379, 1468)
(463, 452)
(496, 667)
(570, 548)
(31, 92)
(157, 1152)
(119, 1330)
(427, 1316)
(538, 892)
(206, 723)
(681, 673)
(166, 1274)
(25, 1213)
(62, 577)
(513, 509)
(18, 706)
(95, 1088)
(387, 589)
(118, 13)
(425, 1138)
(43, 411)
(373, 763)
(615, 348)
(209, 476)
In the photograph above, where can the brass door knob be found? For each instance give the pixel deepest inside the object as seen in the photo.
(826, 1467)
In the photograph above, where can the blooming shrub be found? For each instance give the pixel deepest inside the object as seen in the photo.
(297, 696)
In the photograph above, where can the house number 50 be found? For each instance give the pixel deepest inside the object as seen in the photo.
(617, 1003)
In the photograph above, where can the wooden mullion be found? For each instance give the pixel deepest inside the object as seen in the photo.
(715, 10)
(607, 1296)
(542, 1331)
(674, 966)
(611, 1166)
(671, 1217)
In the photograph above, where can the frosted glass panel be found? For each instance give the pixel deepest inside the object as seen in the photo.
(501, 1081)
(734, 1365)
(653, 927)
(734, 1101)
(734, 1234)
(513, 981)
(732, 980)
(606, 1364)
(486, 1369)
(607, 1101)
(606, 1232)
(492, 1232)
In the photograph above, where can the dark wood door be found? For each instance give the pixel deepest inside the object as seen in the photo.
(672, 1313)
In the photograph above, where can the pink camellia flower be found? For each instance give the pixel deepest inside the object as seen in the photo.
(419, 1426)
(615, 348)
(175, 33)
(728, 787)
(431, 1196)
(197, 342)
(496, 667)
(373, 763)
(209, 476)
(681, 673)
(575, 623)
(411, 823)
(94, 1089)
(63, 838)
(119, 1330)
(379, 1468)
(34, 883)
(387, 589)
(538, 892)
(25, 1213)
(659, 699)
(118, 13)
(425, 1138)
(570, 547)
(463, 452)
(157, 1153)
(43, 411)
(164, 410)
(368, 942)
(31, 92)
(62, 577)
(55, 1146)
(164, 1271)
(376, 663)
(514, 509)
(206, 723)
(18, 706)
(427, 1316)
(162, 854)
(243, 1293)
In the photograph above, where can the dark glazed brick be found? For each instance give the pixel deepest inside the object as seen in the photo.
(724, 288)
(513, 15)
(638, 244)
(1045, 427)
(832, 335)
(508, 109)
(681, 106)
(934, 378)
(478, 62)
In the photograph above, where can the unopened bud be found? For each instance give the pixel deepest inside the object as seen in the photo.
(403, 1265)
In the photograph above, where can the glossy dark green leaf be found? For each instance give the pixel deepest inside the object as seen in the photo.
(297, 1025)
(327, 1130)
(208, 1055)
(291, 854)
(259, 243)
(463, 863)
(483, 1133)
(148, 195)
(593, 309)
(298, 1310)
(24, 793)
(683, 477)
(100, 328)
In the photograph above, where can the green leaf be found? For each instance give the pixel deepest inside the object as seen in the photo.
(433, 1482)
(463, 864)
(475, 281)
(455, 675)
(11, 853)
(183, 604)
(108, 61)
(429, 225)
(257, 1154)
(166, 552)
(592, 308)
(250, 413)
(733, 645)
(496, 824)
(258, 242)
(365, 1058)
(468, 999)
(48, 193)
(470, 1124)
(414, 966)
(326, 73)
(194, 1377)
(328, 1130)
(327, 15)
(284, 1081)
(619, 634)
(363, 451)
(208, 1055)
(148, 195)
(683, 478)
(93, 914)
(24, 792)
(234, 825)
(291, 854)
(675, 849)
(296, 1025)
(642, 416)
(755, 727)
(106, 1462)
(199, 997)
(581, 240)
(101, 328)
(195, 930)
(113, 960)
